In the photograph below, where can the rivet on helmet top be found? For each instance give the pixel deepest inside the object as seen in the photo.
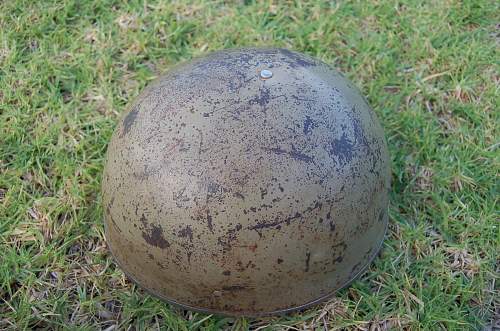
(266, 74)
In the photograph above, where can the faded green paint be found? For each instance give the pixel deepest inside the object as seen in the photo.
(230, 193)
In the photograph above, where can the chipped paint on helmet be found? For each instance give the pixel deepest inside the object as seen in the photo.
(229, 193)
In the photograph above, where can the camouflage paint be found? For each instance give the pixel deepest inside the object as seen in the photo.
(229, 193)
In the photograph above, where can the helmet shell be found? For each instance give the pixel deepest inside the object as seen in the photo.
(236, 191)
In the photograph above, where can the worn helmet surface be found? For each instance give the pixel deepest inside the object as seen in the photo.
(247, 182)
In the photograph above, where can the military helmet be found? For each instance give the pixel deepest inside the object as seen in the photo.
(247, 182)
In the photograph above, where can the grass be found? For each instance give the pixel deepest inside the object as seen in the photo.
(428, 68)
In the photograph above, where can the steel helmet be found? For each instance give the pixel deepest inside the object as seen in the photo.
(247, 182)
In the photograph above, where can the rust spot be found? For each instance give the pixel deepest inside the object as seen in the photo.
(262, 99)
(239, 266)
(359, 134)
(180, 197)
(209, 222)
(154, 237)
(239, 195)
(278, 221)
(213, 188)
(129, 120)
(226, 240)
(263, 192)
(296, 60)
(187, 232)
(381, 215)
(309, 125)
(339, 247)
(143, 220)
(253, 247)
(343, 149)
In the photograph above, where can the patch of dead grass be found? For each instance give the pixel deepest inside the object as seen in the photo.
(459, 260)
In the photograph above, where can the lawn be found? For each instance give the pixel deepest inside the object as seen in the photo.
(430, 70)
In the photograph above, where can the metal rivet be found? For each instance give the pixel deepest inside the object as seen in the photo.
(266, 74)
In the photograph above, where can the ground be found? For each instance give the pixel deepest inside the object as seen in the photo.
(428, 68)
